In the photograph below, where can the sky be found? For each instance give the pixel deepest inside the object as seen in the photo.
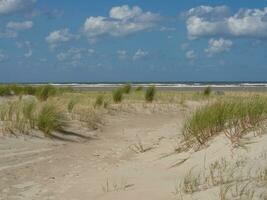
(133, 40)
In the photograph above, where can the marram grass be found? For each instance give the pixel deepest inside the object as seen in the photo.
(117, 95)
(150, 93)
(51, 118)
(234, 117)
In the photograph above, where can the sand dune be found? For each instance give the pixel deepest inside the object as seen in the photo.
(131, 157)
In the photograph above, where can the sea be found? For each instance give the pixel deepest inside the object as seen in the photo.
(176, 86)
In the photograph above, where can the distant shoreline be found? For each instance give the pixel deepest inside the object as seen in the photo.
(166, 86)
(242, 87)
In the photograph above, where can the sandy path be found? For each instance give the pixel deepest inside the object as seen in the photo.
(103, 168)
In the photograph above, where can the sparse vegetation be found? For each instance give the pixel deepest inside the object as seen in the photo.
(127, 88)
(115, 186)
(139, 88)
(233, 179)
(29, 108)
(191, 182)
(234, 117)
(139, 147)
(51, 118)
(71, 105)
(46, 91)
(150, 93)
(117, 95)
(207, 91)
(18, 117)
(41, 92)
(99, 101)
(88, 116)
(5, 90)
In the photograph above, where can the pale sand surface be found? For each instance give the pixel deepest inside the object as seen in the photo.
(106, 167)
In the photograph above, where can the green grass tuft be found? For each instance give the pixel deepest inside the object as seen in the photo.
(44, 92)
(117, 95)
(99, 101)
(29, 108)
(150, 93)
(127, 88)
(207, 91)
(5, 90)
(51, 118)
(72, 104)
(234, 117)
(139, 88)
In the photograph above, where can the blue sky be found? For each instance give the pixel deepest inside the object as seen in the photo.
(133, 40)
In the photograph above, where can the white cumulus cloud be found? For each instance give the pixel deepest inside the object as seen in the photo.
(122, 54)
(206, 21)
(218, 46)
(12, 6)
(190, 55)
(73, 54)
(55, 38)
(19, 26)
(122, 21)
(140, 54)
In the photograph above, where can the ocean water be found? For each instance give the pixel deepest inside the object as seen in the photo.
(166, 84)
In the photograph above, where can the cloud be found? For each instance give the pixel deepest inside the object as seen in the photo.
(206, 21)
(73, 54)
(125, 12)
(12, 6)
(8, 34)
(28, 46)
(58, 37)
(167, 29)
(71, 57)
(29, 53)
(140, 54)
(53, 14)
(12, 28)
(208, 12)
(122, 21)
(218, 46)
(3, 57)
(19, 26)
(122, 54)
(48, 13)
(190, 55)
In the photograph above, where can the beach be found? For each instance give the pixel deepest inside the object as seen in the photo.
(128, 150)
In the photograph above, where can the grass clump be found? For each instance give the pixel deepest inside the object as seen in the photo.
(117, 95)
(99, 101)
(29, 108)
(150, 93)
(13, 89)
(44, 92)
(234, 117)
(88, 116)
(139, 88)
(41, 92)
(5, 90)
(127, 88)
(18, 116)
(30, 90)
(51, 118)
(71, 105)
(207, 91)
